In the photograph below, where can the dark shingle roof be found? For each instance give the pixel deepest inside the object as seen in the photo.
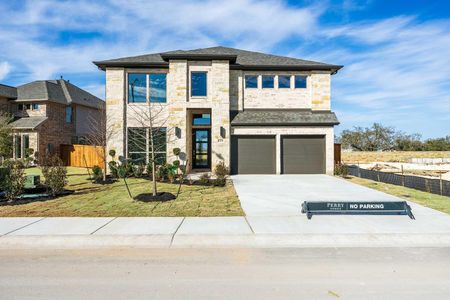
(239, 59)
(8, 91)
(28, 123)
(60, 91)
(263, 117)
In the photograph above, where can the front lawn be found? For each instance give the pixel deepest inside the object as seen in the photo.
(441, 203)
(111, 200)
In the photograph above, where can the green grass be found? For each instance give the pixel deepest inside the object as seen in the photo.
(441, 203)
(111, 200)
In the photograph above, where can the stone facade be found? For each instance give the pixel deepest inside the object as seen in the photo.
(225, 92)
(315, 96)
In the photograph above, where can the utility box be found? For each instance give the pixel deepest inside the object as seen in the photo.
(32, 181)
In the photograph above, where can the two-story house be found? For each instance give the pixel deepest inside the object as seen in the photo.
(258, 113)
(48, 113)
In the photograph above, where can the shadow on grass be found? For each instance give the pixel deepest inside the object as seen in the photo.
(38, 198)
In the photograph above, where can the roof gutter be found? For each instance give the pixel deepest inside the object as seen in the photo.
(102, 65)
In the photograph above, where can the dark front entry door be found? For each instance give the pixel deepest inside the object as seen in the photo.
(201, 148)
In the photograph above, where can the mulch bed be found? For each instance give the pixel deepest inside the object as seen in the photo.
(148, 197)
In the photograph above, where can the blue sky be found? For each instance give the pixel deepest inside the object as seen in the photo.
(396, 53)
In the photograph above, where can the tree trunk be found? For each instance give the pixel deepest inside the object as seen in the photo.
(105, 167)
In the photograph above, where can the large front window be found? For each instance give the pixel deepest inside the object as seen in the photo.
(144, 88)
(198, 84)
(140, 146)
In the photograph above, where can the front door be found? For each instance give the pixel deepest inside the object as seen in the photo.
(201, 148)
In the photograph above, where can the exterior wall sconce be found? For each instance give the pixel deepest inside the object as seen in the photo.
(223, 132)
(178, 132)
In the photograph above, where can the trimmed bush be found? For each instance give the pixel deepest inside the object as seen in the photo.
(14, 180)
(97, 173)
(55, 174)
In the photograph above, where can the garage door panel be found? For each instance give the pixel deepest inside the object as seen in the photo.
(253, 155)
(303, 154)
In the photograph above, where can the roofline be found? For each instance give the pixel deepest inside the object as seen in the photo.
(102, 65)
(231, 58)
(333, 68)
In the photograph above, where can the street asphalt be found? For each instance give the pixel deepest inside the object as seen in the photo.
(327, 273)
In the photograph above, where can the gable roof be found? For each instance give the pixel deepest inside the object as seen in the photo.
(239, 59)
(59, 91)
(8, 91)
(28, 122)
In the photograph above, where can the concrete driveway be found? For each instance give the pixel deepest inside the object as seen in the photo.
(282, 195)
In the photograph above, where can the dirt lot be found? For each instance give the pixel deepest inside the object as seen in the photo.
(392, 156)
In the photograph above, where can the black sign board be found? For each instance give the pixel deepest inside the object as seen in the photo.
(356, 208)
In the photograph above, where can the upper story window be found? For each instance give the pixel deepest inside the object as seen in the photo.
(158, 86)
(137, 87)
(284, 81)
(198, 84)
(251, 82)
(268, 81)
(69, 114)
(300, 82)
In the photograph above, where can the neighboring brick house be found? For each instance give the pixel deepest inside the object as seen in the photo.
(48, 113)
(258, 113)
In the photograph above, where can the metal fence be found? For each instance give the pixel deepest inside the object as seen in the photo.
(435, 186)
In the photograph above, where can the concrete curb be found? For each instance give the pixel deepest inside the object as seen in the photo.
(225, 241)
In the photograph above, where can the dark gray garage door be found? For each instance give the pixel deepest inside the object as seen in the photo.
(253, 154)
(303, 154)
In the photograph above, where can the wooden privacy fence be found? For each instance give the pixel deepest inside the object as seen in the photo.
(337, 154)
(82, 155)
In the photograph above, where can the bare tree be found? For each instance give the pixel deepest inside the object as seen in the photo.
(100, 135)
(149, 139)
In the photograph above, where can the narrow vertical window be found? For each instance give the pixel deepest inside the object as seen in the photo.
(137, 88)
(158, 85)
(69, 114)
(198, 84)
(18, 146)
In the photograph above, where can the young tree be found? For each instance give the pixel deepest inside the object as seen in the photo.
(6, 135)
(100, 135)
(151, 136)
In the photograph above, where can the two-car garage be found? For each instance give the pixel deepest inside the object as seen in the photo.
(298, 154)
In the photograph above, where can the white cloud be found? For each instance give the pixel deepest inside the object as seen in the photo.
(5, 68)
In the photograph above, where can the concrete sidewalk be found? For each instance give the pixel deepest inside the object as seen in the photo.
(253, 231)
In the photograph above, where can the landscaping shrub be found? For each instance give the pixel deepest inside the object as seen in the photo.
(138, 170)
(221, 171)
(162, 172)
(149, 169)
(205, 178)
(55, 174)
(340, 170)
(13, 182)
(97, 174)
(113, 168)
